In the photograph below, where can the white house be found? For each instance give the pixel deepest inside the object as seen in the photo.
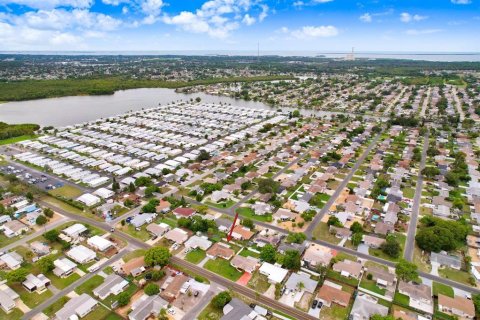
(89, 199)
(63, 267)
(275, 273)
(99, 243)
(113, 284)
(81, 254)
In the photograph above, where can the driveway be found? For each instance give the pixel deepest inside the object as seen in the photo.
(363, 248)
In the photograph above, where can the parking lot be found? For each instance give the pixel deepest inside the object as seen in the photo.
(33, 177)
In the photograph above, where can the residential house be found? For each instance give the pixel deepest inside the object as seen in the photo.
(242, 233)
(112, 285)
(158, 230)
(274, 272)
(134, 267)
(460, 307)
(341, 233)
(8, 298)
(236, 309)
(177, 235)
(146, 307)
(224, 225)
(63, 267)
(420, 295)
(195, 242)
(446, 260)
(163, 206)
(285, 246)
(349, 269)
(316, 255)
(365, 306)
(75, 231)
(301, 281)
(247, 264)
(182, 212)
(141, 219)
(78, 306)
(283, 215)
(382, 276)
(170, 289)
(262, 208)
(220, 195)
(40, 248)
(221, 250)
(332, 293)
(14, 228)
(100, 243)
(38, 283)
(81, 254)
(11, 260)
(372, 241)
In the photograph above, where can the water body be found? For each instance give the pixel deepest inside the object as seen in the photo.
(77, 109)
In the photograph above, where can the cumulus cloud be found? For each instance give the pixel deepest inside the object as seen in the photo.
(315, 32)
(218, 18)
(407, 17)
(417, 32)
(50, 4)
(367, 17)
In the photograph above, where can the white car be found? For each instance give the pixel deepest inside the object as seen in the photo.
(171, 311)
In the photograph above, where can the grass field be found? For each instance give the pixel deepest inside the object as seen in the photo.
(322, 232)
(249, 213)
(54, 307)
(440, 288)
(61, 283)
(14, 315)
(66, 191)
(259, 282)
(248, 253)
(195, 256)
(31, 299)
(16, 139)
(210, 313)
(401, 299)
(372, 286)
(455, 275)
(222, 267)
(89, 285)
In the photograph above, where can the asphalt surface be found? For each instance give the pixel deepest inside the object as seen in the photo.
(412, 226)
(319, 216)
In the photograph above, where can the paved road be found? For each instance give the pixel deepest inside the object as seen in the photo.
(395, 100)
(412, 226)
(426, 102)
(458, 103)
(204, 300)
(37, 233)
(71, 287)
(318, 217)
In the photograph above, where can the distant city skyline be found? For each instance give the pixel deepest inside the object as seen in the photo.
(232, 25)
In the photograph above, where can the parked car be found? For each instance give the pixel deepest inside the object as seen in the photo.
(314, 304)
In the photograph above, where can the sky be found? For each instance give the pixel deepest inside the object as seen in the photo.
(239, 25)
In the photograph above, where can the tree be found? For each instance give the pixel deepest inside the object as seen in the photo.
(203, 155)
(268, 253)
(18, 275)
(296, 113)
(151, 289)
(380, 317)
(221, 299)
(48, 212)
(150, 190)
(248, 223)
(406, 271)
(476, 302)
(115, 185)
(391, 246)
(41, 220)
(157, 256)
(356, 238)
(46, 264)
(51, 235)
(123, 299)
(131, 187)
(292, 260)
(356, 227)
(430, 172)
(268, 186)
(29, 196)
(297, 237)
(334, 221)
(157, 274)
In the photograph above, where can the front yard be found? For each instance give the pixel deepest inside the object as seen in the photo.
(222, 267)
(195, 256)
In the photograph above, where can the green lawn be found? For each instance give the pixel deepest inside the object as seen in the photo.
(249, 213)
(259, 282)
(17, 139)
(134, 254)
(401, 299)
(322, 232)
(249, 253)
(455, 275)
(61, 283)
(338, 277)
(57, 305)
(440, 288)
(99, 313)
(142, 234)
(372, 286)
(13, 315)
(409, 193)
(210, 313)
(221, 205)
(131, 289)
(66, 191)
(195, 256)
(223, 268)
(90, 284)
(31, 299)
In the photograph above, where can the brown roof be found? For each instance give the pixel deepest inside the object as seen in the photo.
(133, 264)
(173, 289)
(185, 212)
(416, 291)
(352, 267)
(220, 250)
(244, 232)
(162, 205)
(459, 303)
(404, 315)
(331, 294)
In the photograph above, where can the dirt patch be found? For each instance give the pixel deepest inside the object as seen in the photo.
(305, 301)
(123, 311)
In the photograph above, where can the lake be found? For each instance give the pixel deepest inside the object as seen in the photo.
(76, 109)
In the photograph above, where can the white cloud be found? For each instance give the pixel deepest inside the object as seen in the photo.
(322, 1)
(218, 18)
(50, 4)
(115, 2)
(461, 1)
(315, 32)
(248, 20)
(367, 17)
(417, 32)
(152, 7)
(407, 17)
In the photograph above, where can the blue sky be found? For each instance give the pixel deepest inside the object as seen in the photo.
(278, 25)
